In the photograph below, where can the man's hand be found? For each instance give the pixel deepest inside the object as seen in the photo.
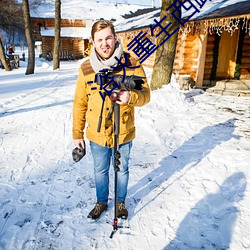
(79, 143)
(123, 97)
(79, 151)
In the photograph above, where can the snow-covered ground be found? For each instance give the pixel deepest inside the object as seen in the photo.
(189, 170)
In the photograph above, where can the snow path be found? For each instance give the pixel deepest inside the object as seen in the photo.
(189, 170)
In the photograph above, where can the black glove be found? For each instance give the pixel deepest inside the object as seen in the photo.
(78, 153)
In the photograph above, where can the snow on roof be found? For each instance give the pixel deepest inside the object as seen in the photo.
(237, 7)
(80, 32)
(138, 2)
(85, 10)
(137, 22)
(211, 9)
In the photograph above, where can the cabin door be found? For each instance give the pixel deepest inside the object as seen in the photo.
(227, 55)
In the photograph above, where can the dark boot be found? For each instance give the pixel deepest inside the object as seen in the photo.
(97, 210)
(122, 211)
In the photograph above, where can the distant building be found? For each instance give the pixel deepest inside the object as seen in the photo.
(77, 19)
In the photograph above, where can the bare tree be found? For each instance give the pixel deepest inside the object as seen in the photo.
(28, 33)
(56, 59)
(165, 54)
(11, 16)
(36, 3)
(11, 24)
(3, 57)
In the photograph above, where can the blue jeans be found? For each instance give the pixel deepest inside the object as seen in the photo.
(102, 158)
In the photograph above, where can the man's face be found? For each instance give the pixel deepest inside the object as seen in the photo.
(104, 42)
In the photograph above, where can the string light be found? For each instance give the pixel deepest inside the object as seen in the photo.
(219, 25)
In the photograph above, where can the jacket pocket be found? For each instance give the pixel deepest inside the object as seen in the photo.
(127, 119)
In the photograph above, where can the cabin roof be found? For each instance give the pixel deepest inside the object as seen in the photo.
(77, 32)
(85, 10)
(220, 8)
(211, 9)
(137, 22)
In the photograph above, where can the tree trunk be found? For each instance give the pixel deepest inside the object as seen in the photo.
(165, 54)
(56, 59)
(28, 33)
(3, 57)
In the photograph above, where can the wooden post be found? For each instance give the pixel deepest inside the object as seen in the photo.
(201, 60)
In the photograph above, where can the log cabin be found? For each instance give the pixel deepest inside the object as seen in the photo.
(77, 17)
(213, 46)
(74, 37)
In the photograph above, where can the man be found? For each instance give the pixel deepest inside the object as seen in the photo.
(87, 106)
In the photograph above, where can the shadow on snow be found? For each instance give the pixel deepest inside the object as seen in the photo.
(23, 110)
(190, 153)
(209, 225)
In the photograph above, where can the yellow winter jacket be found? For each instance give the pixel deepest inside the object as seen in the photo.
(87, 106)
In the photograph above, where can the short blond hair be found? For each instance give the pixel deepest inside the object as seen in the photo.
(100, 25)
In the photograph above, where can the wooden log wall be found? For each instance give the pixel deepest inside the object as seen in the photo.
(245, 61)
(47, 45)
(79, 46)
(149, 62)
(209, 57)
(66, 44)
(178, 61)
(187, 51)
(50, 22)
(73, 45)
(126, 37)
